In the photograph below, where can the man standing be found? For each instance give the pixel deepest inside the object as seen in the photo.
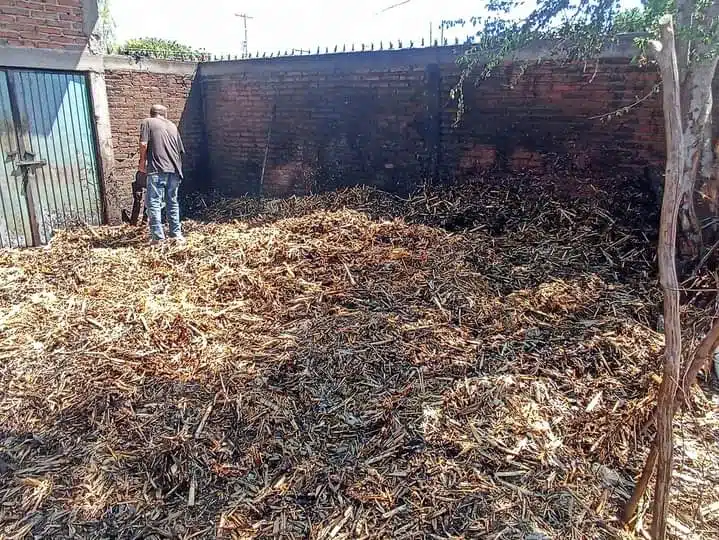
(161, 153)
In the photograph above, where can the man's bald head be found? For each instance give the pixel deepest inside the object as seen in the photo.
(158, 110)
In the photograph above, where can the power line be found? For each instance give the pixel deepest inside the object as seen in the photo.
(398, 4)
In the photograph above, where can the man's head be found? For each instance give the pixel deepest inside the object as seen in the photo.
(158, 110)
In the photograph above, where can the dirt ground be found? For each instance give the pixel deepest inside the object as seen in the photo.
(470, 362)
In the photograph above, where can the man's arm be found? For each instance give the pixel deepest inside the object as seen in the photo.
(182, 146)
(142, 151)
(142, 165)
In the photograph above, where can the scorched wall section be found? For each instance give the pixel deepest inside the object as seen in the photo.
(386, 119)
(555, 118)
(321, 126)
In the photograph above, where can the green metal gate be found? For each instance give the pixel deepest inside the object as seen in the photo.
(48, 176)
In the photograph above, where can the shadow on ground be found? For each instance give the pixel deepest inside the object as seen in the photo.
(333, 373)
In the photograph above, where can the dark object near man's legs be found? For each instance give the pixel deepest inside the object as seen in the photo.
(138, 197)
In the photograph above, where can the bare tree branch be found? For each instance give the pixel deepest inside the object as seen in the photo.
(665, 50)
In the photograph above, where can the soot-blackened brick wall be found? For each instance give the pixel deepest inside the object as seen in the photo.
(130, 94)
(386, 119)
(320, 126)
(46, 24)
(550, 119)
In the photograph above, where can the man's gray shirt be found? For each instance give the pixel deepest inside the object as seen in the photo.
(164, 146)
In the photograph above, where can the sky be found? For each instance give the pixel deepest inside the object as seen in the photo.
(287, 24)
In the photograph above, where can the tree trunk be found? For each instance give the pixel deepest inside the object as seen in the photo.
(703, 354)
(702, 357)
(667, 59)
(696, 96)
(630, 510)
(691, 243)
(687, 89)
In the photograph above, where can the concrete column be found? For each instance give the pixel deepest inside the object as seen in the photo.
(91, 26)
(106, 154)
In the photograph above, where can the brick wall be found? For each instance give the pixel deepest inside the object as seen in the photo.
(369, 122)
(130, 94)
(386, 119)
(551, 120)
(381, 118)
(47, 24)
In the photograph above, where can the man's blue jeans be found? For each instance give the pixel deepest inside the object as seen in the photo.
(163, 186)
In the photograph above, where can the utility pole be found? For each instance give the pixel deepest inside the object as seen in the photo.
(244, 17)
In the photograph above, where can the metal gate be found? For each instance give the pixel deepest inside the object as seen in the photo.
(48, 176)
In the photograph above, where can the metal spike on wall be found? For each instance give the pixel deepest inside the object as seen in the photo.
(456, 41)
(318, 50)
(399, 44)
(371, 46)
(411, 44)
(264, 55)
(335, 48)
(363, 47)
(327, 50)
(344, 48)
(353, 47)
(446, 42)
(390, 45)
(422, 42)
(436, 43)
